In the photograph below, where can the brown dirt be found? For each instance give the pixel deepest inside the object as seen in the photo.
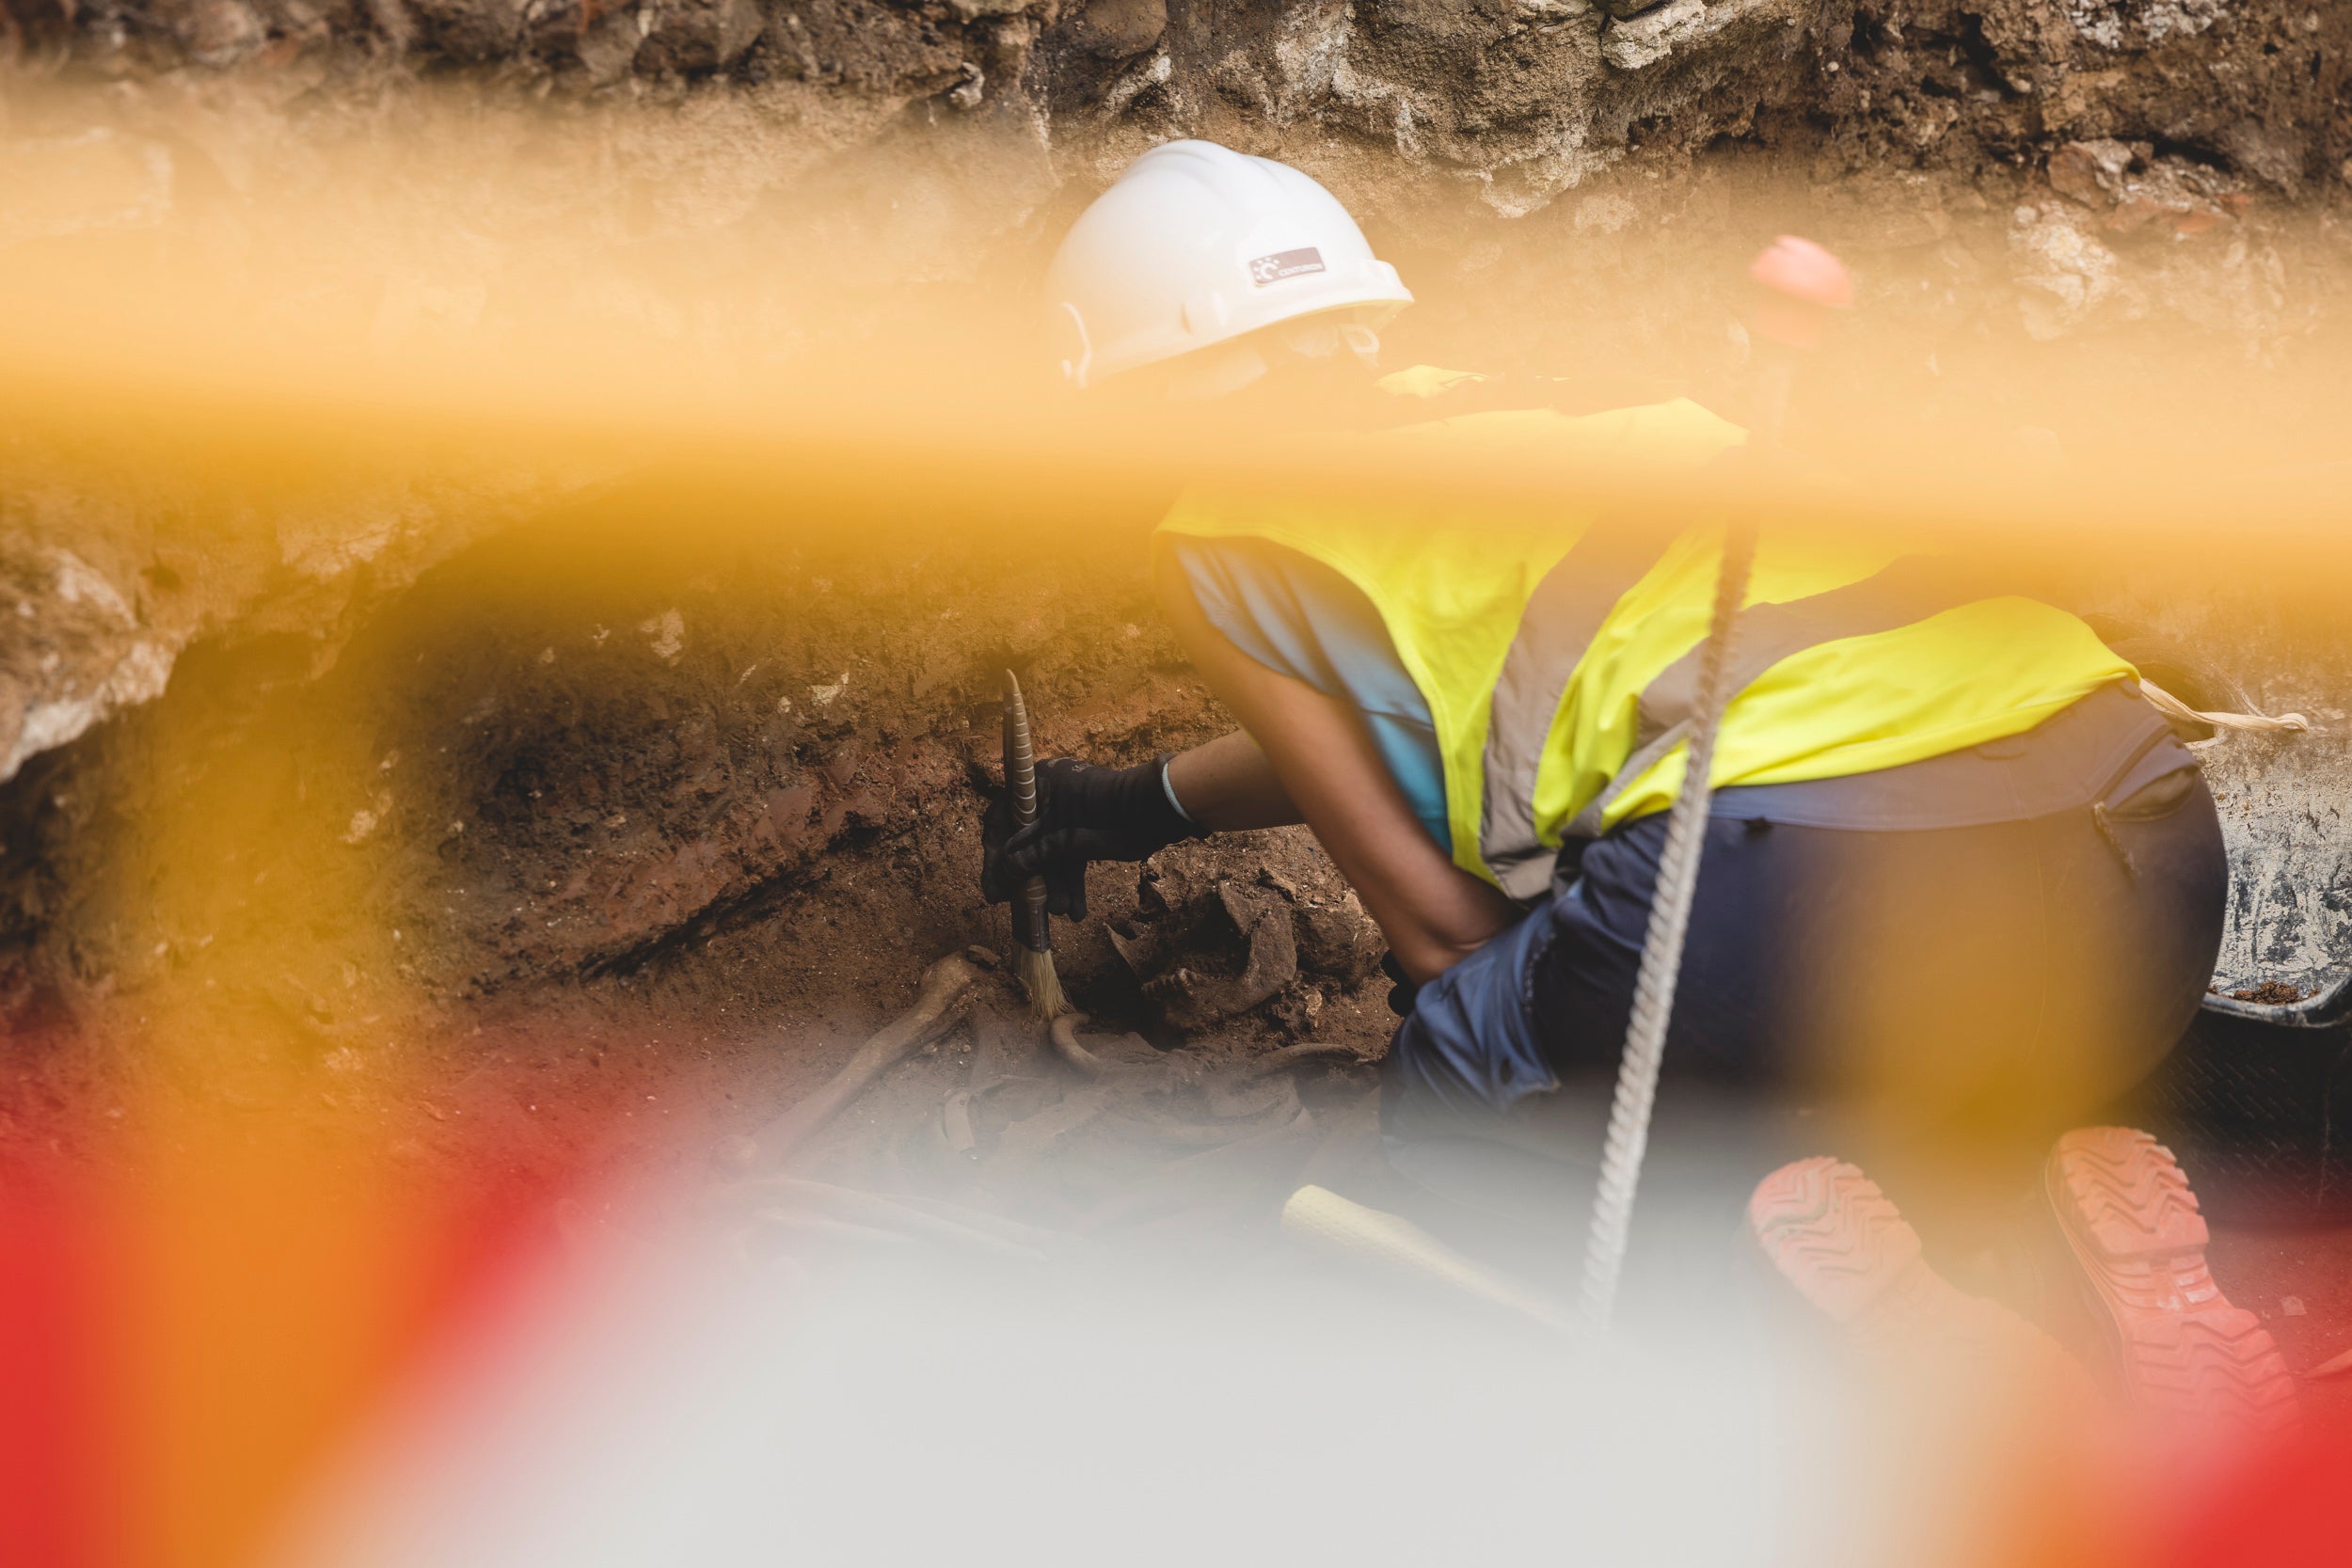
(2274, 994)
(617, 843)
(1521, 100)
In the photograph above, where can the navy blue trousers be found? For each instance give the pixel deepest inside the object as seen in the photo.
(2001, 973)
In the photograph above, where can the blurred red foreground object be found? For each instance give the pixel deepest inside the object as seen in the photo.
(2282, 1508)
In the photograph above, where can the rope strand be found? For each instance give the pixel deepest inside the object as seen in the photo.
(1661, 944)
(2172, 708)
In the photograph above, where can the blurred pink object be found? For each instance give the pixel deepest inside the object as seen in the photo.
(1799, 284)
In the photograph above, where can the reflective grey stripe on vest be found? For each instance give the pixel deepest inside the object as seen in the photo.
(1906, 591)
(1562, 617)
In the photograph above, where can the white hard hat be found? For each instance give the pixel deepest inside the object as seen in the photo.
(1196, 244)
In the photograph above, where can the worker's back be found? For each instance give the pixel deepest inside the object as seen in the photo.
(1546, 653)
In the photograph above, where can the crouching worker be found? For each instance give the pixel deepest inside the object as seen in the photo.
(1959, 871)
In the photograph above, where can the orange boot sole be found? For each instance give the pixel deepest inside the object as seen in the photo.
(1841, 1241)
(2181, 1349)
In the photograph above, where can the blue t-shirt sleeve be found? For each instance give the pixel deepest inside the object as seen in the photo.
(1301, 618)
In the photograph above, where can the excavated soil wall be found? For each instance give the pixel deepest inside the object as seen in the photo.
(1517, 100)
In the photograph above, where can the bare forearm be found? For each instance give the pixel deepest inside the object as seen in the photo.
(1228, 785)
(1330, 774)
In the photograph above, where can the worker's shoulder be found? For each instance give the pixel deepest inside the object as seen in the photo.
(1453, 418)
(1427, 382)
(1421, 392)
(1614, 421)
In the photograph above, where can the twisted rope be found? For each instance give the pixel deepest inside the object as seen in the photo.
(1661, 943)
(2172, 708)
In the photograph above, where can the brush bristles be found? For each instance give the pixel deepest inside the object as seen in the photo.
(1035, 971)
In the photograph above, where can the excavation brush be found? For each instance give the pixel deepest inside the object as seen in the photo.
(1032, 932)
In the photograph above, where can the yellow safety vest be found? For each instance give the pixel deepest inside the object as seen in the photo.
(1558, 653)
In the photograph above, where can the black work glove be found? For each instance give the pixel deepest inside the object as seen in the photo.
(1084, 813)
(1406, 990)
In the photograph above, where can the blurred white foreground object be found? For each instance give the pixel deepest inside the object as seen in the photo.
(899, 1407)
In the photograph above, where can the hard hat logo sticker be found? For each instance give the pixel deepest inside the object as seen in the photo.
(1284, 264)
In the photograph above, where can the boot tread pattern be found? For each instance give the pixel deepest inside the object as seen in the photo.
(1829, 1229)
(2184, 1350)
